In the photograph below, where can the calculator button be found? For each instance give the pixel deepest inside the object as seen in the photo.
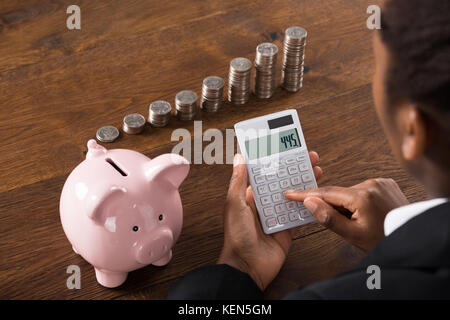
(307, 177)
(268, 211)
(277, 197)
(283, 219)
(263, 189)
(293, 216)
(303, 166)
(256, 169)
(282, 173)
(265, 163)
(271, 222)
(305, 213)
(284, 183)
(280, 208)
(271, 176)
(274, 186)
(296, 181)
(310, 186)
(290, 160)
(265, 200)
(293, 170)
(259, 179)
(301, 206)
(291, 205)
(301, 158)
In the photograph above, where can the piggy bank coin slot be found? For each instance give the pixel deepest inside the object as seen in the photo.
(115, 166)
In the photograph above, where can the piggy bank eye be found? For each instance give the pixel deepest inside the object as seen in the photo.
(160, 217)
(135, 228)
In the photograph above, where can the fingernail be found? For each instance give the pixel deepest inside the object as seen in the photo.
(310, 204)
(289, 191)
(238, 159)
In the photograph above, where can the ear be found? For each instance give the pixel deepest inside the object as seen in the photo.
(414, 133)
(97, 200)
(170, 167)
(94, 149)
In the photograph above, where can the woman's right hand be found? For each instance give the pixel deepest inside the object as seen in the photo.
(368, 204)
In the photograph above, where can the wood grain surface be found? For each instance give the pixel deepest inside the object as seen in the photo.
(58, 86)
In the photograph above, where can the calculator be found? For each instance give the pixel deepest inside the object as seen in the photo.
(277, 159)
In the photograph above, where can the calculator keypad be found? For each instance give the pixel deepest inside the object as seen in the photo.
(289, 172)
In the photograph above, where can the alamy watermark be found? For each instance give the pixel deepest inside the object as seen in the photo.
(260, 143)
(73, 21)
(374, 20)
(374, 280)
(74, 280)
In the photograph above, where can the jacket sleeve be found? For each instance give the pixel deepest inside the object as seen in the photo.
(217, 282)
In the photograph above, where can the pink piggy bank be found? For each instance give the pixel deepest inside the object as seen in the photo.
(122, 211)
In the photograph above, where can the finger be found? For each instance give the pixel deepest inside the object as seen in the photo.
(238, 181)
(336, 196)
(314, 157)
(327, 216)
(317, 172)
(249, 198)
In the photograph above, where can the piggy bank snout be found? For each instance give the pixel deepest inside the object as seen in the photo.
(155, 247)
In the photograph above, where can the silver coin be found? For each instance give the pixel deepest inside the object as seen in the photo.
(160, 107)
(241, 64)
(267, 49)
(133, 123)
(186, 97)
(213, 82)
(296, 32)
(107, 134)
(293, 58)
(134, 120)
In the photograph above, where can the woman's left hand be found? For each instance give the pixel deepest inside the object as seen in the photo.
(246, 246)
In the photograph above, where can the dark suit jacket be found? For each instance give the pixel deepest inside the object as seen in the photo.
(414, 261)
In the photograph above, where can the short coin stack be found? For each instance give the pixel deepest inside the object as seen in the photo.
(239, 80)
(212, 93)
(293, 58)
(265, 69)
(107, 134)
(133, 123)
(159, 113)
(186, 105)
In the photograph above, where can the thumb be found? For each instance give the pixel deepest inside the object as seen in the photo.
(329, 217)
(238, 182)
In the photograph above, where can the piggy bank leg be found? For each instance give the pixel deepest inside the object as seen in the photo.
(110, 279)
(164, 260)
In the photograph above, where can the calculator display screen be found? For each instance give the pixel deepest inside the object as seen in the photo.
(271, 144)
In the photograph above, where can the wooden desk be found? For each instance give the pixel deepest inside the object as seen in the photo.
(58, 86)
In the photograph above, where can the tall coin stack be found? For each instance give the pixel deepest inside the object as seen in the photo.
(186, 105)
(212, 93)
(239, 80)
(159, 113)
(293, 58)
(265, 69)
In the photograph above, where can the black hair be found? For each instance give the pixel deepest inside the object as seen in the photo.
(417, 36)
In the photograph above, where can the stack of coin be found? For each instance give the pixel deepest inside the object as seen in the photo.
(159, 113)
(133, 123)
(265, 69)
(186, 105)
(239, 80)
(293, 58)
(212, 93)
(107, 134)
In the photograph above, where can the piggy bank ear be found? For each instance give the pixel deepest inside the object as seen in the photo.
(170, 167)
(98, 199)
